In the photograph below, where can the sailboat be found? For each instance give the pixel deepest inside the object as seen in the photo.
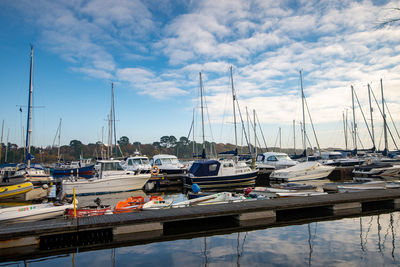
(28, 172)
(213, 174)
(111, 177)
(310, 170)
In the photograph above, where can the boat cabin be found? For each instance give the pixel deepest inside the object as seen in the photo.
(205, 168)
(279, 160)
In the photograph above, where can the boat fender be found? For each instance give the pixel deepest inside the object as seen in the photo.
(154, 170)
(195, 188)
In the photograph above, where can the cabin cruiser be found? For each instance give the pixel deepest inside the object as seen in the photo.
(310, 170)
(274, 161)
(111, 178)
(137, 163)
(168, 164)
(210, 174)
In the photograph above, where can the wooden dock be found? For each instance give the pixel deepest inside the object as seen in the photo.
(43, 237)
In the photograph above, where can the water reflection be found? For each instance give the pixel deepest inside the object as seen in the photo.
(365, 241)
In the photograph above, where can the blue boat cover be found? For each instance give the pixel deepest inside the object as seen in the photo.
(205, 168)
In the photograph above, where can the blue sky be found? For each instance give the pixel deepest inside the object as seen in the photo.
(153, 51)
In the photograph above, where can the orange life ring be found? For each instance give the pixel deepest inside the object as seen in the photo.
(368, 161)
(154, 170)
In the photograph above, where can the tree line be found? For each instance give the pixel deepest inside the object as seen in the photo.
(183, 148)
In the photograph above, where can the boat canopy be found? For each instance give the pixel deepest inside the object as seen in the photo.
(205, 168)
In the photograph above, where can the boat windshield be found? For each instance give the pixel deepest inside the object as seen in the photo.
(169, 161)
(283, 157)
(111, 166)
(138, 161)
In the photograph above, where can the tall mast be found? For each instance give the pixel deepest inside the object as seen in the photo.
(384, 121)
(280, 139)
(59, 141)
(113, 118)
(193, 144)
(255, 133)
(1, 141)
(304, 117)
(345, 128)
(294, 136)
(28, 127)
(354, 119)
(202, 116)
(248, 124)
(5, 156)
(372, 120)
(234, 112)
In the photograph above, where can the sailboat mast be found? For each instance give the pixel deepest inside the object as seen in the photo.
(5, 156)
(372, 120)
(28, 127)
(234, 112)
(344, 129)
(113, 118)
(384, 121)
(1, 141)
(202, 114)
(304, 116)
(255, 133)
(59, 141)
(193, 144)
(354, 119)
(294, 136)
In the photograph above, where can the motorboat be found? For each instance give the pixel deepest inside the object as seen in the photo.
(33, 212)
(137, 163)
(274, 161)
(168, 164)
(227, 173)
(111, 178)
(310, 170)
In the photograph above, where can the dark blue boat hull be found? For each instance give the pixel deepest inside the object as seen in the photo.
(74, 171)
(215, 182)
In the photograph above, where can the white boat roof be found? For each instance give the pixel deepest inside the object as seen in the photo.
(137, 157)
(274, 154)
(164, 156)
(108, 161)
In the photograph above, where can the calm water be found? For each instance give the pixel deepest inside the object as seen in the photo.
(366, 241)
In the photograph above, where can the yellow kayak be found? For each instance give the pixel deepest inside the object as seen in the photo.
(13, 190)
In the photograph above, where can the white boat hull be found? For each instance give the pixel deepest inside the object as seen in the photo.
(303, 172)
(32, 212)
(109, 184)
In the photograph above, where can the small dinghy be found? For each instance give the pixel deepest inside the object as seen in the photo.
(33, 212)
(89, 210)
(16, 189)
(156, 204)
(138, 203)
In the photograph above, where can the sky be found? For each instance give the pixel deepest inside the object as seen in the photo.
(153, 50)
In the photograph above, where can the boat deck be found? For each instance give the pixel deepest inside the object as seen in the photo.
(146, 226)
